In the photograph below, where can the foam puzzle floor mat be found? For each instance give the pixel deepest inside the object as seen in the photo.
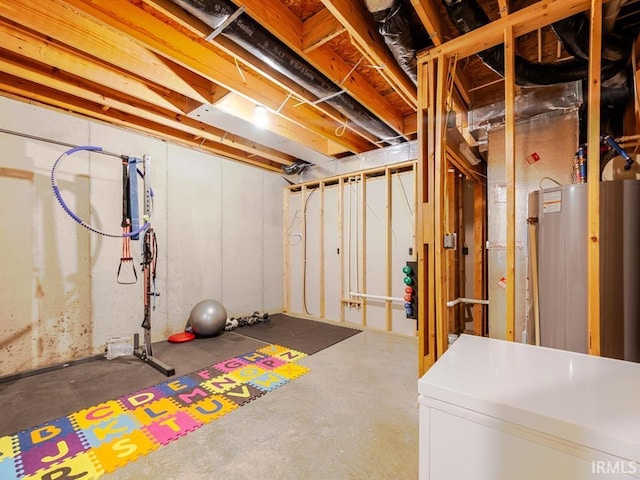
(97, 440)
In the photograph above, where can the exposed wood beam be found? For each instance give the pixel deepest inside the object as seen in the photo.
(243, 108)
(61, 58)
(24, 89)
(319, 29)
(56, 80)
(201, 30)
(503, 7)
(289, 28)
(56, 20)
(410, 124)
(300, 93)
(431, 18)
(357, 20)
(196, 55)
(527, 20)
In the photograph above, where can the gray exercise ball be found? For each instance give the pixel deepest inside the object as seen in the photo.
(208, 318)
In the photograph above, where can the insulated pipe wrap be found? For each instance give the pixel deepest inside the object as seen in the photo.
(393, 24)
(256, 40)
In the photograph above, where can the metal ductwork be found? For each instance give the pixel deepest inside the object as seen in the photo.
(245, 32)
(396, 30)
(297, 167)
(467, 15)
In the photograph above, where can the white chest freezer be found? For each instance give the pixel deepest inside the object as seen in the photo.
(497, 410)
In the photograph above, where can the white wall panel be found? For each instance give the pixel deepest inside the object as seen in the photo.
(121, 310)
(331, 256)
(402, 240)
(311, 262)
(376, 251)
(272, 290)
(352, 237)
(343, 229)
(295, 238)
(45, 288)
(194, 242)
(218, 225)
(242, 239)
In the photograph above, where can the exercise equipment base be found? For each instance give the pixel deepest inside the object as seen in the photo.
(141, 353)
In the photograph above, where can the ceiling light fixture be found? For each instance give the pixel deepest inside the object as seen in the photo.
(260, 117)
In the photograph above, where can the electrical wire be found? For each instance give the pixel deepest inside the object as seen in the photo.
(550, 179)
(304, 255)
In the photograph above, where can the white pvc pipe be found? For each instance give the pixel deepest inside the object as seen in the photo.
(377, 297)
(452, 303)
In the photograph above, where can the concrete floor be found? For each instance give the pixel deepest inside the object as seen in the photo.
(353, 416)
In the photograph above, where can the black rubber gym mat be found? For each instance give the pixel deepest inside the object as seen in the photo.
(36, 399)
(308, 336)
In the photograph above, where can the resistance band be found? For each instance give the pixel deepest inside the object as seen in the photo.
(125, 256)
(133, 232)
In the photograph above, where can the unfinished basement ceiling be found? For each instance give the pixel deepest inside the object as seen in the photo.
(184, 71)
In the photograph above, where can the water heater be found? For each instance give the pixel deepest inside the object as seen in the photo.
(561, 248)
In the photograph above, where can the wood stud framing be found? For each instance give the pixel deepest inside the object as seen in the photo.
(593, 176)
(343, 182)
(431, 158)
(510, 166)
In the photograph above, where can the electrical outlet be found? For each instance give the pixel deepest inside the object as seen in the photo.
(450, 240)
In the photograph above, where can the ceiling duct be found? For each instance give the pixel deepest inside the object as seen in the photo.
(394, 25)
(467, 15)
(256, 40)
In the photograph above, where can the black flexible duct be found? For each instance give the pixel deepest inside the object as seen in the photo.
(397, 32)
(296, 167)
(467, 15)
(245, 32)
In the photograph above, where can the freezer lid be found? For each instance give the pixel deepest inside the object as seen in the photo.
(588, 400)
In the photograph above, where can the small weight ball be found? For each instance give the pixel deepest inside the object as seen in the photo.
(208, 318)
